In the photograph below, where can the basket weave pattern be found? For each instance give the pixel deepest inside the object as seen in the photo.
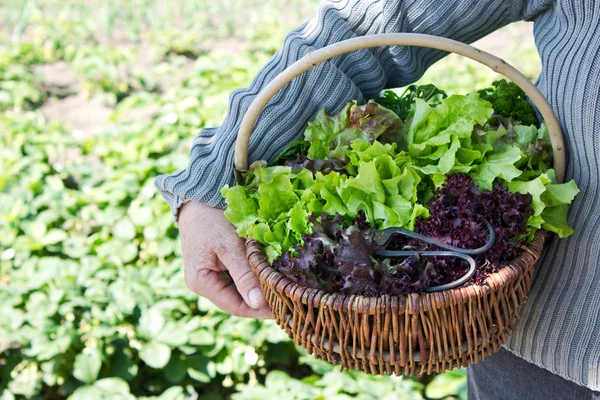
(412, 335)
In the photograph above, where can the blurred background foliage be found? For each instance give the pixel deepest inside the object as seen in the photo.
(96, 99)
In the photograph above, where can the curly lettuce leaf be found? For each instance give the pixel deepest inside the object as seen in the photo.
(500, 134)
(498, 165)
(556, 198)
(242, 210)
(270, 209)
(331, 135)
(436, 136)
(550, 202)
(457, 114)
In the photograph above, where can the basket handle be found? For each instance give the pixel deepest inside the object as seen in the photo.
(398, 39)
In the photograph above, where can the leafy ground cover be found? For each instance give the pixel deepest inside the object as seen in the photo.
(95, 101)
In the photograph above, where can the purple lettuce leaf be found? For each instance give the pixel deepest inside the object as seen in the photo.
(456, 217)
(316, 165)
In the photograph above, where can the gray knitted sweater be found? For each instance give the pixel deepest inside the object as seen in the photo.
(560, 325)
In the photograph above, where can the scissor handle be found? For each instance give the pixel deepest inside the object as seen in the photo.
(445, 286)
(386, 234)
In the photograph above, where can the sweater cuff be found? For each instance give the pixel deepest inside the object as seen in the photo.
(175, 201)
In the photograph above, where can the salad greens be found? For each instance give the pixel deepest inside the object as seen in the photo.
(401, 105)
(368, 160)
(337, 257)
(509, 100)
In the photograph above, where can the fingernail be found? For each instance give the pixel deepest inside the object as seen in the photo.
(255, 296)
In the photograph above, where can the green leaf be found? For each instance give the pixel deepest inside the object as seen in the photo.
(560, 194)
(75, 247)
(458, 114)
(87, 392)
(51, 372)
(35, 230)
(176, 370)
(26, 380)
(550, 202)
(142, 216)
(173, 393)
(447, 384)
(114, 386)
(122, 296)
(198, 375)
(367, 181)
(276, 192)
(155, 355)
(124, 229)
(498, 165)
(6, 394)
(401, 105)
(242, 210)
(535, 188)
(448, 160)
(555, 220)
(87, 365)
(122, 364)
(202, 337)
(151, 323)
(201, 368)
(54, 236)
(425, 124)
(173, 334)
(556, 199)
(104, 389)
(324, 129)
(128, 252)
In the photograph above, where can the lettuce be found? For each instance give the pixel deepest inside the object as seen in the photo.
(438, 136)
(331, 135)
(271, 208)
(274, 205)
(550, 202)
(366, 161)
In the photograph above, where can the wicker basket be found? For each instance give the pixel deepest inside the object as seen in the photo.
(410, 335)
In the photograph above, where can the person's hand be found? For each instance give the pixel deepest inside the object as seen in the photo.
(211, 248)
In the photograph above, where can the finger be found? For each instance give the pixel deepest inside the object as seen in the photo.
(214, 287)
(265, 313)
(228, 299)
(233, 256)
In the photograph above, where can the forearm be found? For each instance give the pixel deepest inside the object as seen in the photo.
(358, 75)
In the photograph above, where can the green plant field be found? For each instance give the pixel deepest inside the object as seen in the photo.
(96, 100)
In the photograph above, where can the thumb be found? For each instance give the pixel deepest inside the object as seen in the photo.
(233, 256)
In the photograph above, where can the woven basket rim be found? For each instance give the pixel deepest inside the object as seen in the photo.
(528, 256)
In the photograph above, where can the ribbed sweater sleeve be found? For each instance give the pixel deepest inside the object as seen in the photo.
(357, 75)
(559, 326)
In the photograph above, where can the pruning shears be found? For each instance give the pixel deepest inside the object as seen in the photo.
(384, 236)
